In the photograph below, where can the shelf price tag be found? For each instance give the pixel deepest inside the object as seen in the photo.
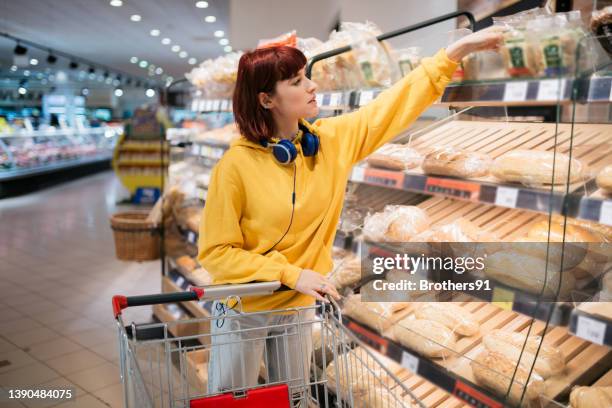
(365, 97)
(455, 188)
(605, 213)
(515, 91)
(358, 174)
(551, 89)
(335, 98)
(394, 179)
(191, 237)
(590, 329)
(410, 362)
(506, 197)
(179, 281)
(319, 99)
(502, 298)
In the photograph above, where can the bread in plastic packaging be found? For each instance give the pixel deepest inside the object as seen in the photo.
(427, 337)
(591, 397)
(601, 26)
(451, 161)
(460, 230)
(377, 315)
(396, 223)
(347, 273)
(395, 157)
(550, 360)
(604, 179)
(535, 167)
(495, 371)
(519, 54)
(457, 319)
(408, 58)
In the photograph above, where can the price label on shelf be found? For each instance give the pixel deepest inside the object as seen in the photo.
(590, 329)
(180, 281)
(502, 298)
(515, 91)
(191, 237)
(365, 97)
(410, 362)
(551, 89)
(319, 99)
(506, 197)
(216, 105)
(605, 213)
(358, 174)
(335, 98)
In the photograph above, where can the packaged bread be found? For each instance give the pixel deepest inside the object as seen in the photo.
(599, 229)
(460, 230)
(383, 397)
(187, 263)
(427, 337)
(395, 157)
(550, 360)
(451, 161)
(396, 223)
(601, 26)
(494, 371)
(519, 54)
(347, 273)
(535, 167)
(377, 315)
(604, 179)
(457, 319)
(591, 397)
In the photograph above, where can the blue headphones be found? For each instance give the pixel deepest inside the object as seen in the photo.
(285, 152)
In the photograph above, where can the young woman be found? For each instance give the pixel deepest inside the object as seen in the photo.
(275, 198)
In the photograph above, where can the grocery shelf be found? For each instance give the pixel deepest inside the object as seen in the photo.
(179, 282)
(592, 322)
(205, 105)
(14, 174)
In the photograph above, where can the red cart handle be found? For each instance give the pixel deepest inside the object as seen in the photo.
(122, 302)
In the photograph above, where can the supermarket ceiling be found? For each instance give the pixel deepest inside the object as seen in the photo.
(108, 35)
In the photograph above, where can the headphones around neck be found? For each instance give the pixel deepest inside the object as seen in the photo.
(285, 152)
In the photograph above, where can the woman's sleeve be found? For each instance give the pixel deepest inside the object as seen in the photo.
(355, 135)
(220, 243)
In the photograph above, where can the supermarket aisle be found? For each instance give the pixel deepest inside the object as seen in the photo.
(58, 274)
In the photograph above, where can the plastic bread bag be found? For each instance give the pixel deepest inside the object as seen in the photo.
(519, 54)
(288, 39)
(376, 315)
(309, 46)
(376, 225)
(451, 161)
(395, 157)
(601, 26)
(347, 273)
(408, 58)
(406, 222)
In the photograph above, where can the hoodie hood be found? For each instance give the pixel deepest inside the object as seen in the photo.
(242, 141)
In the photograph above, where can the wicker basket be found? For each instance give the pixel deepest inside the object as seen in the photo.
(136, 239)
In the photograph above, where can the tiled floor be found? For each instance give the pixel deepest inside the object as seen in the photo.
(58, 273)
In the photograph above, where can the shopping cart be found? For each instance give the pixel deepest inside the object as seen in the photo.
(159, 369)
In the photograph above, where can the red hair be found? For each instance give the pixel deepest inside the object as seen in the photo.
(259, 71)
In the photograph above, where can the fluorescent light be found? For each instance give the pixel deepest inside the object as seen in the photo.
(116, 3)
(22, 90)
(219, 33)
(155, 32)
(151, 67)
(159, 71)
(118, 92)
(176, 48)
(134, 60)
(227, 48)
(150, 93)
(135, 18)
(26, 73)
(224, 41)
(143, 64)
(192, 61)
(109, 80)
(13, 68)
(201, 4)
(210, 19)
(183, 54)
(33, 61)
(166, 41)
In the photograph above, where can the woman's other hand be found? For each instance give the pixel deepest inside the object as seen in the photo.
(316, 285)
(488, 39)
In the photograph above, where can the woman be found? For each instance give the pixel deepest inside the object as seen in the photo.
(270, 218)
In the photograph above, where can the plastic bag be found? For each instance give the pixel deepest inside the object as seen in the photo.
(601, 26)
(451, 161)
(408, 58)
(396, 223)
(376, 315)
(288, 39)
(396, 157)
(347, 273)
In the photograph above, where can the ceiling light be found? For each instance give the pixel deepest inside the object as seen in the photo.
(26, 73)
(51, 77)
(192, 61)
(219, 33)
(135, 18)
(224, 41)
(61, 76)
(227, 48)
(39, 75)
(116, 82)
(109, 80)
(118, 92)
(33, 61)
(116, 3)
(22, 90)
(51, 59)
(43, 81)
(73, 65)
(159, 71)
(92, 76)
(13, 68)
(20, 50)
(183, 54)
(85, 91)
(134, 60)
(100, 78)
(143, 64)
(201, 4)
(176, 48)
(154, 33)
(150, 93)
(210, 19)
(166, 41)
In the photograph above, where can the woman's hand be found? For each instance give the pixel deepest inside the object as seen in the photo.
(488, 39)
(316, 285)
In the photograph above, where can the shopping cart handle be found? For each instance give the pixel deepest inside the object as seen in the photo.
(216, 292)
(122, 302)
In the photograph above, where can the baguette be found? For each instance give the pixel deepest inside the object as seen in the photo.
(550, 361)
(376, 315)
(494, 371)
(395, 157)
(533, 167)
(457, 319)
(450, 161)
(591, 397)
(604, 179)
(432, 339)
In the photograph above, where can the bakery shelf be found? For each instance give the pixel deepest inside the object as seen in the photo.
(17, 173)
(592, 321)
(177, 281)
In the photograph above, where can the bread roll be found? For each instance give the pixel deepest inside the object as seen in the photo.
(347, 273)
(458, 319)
(407, 222)
(450, 161)
(550, 361)
(494, 371)
(375, 226)
(533, 167)
(187, 263)
(591, 397)
(604, 179)
(376, 315)
(395, 157)
(460, 230)
(432, 339)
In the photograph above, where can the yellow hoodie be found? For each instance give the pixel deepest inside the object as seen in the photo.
(248, 206)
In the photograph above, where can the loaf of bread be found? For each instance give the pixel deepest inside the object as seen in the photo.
(604, 179)
(450, 161)
(430, 338)
(460, 230)
(494, 371)
(457, 319)
(534, 167)
(396, 223)
(598, 229)
(591, 397)
(550, 360)
(395, 157)
(347, 273)
(187, 263)
(376, 315)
